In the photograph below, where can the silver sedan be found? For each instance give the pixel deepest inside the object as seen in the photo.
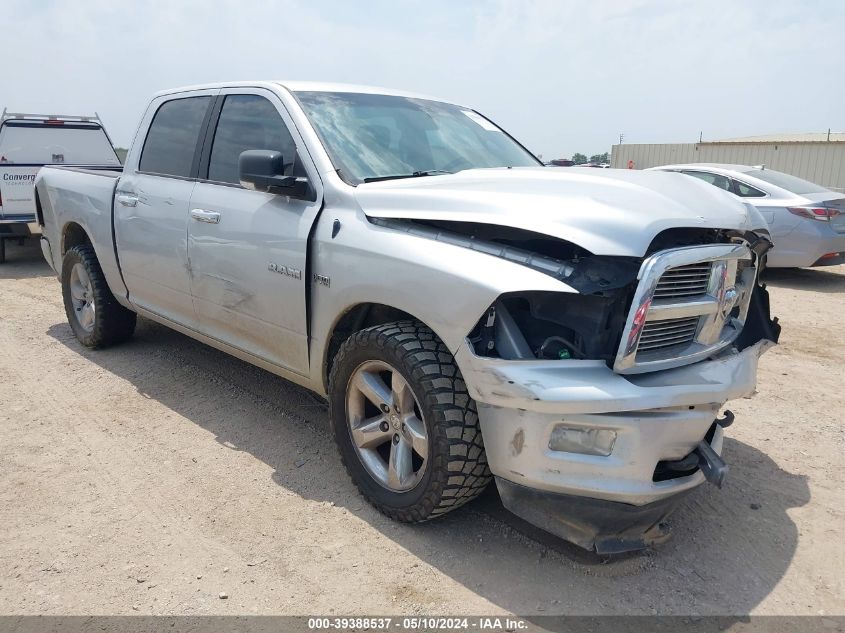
(807, 222)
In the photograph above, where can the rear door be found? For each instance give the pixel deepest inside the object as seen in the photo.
(151, 205)
(780, 221)
(772, 208)
(248, 249)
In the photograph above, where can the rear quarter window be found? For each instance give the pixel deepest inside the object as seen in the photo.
(172, 138)
(746, 191)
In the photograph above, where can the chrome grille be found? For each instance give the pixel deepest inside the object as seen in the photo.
(684, 281)
(690, 303)
(669, 333)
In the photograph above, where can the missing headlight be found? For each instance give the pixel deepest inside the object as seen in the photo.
(552, 325)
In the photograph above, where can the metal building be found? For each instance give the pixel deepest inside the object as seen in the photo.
(819, 158)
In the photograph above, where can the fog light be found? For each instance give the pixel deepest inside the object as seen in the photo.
(584, 441)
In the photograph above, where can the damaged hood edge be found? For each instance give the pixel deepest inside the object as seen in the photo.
(613, 212)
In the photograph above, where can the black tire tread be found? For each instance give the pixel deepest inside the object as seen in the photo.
(113, 323)
(457, 458)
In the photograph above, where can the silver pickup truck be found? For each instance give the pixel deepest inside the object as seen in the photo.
(468, 313)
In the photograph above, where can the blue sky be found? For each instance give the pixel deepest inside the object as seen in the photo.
(561, 76)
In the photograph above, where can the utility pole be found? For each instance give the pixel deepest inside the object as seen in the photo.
(621, 138)
(700, 136)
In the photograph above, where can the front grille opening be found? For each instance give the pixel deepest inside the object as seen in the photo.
(684, 281)
(661, 335)
(684, 467)
(693, 288)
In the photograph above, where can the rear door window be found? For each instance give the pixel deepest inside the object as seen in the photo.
(248, 122)
(172, 140)
(717, 180)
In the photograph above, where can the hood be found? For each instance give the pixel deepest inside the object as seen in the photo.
(606, 211)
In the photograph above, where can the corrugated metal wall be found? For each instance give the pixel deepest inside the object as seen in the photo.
(821, 163)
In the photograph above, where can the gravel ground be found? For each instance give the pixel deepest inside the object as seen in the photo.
(164, 477)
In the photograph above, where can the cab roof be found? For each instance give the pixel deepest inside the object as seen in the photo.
(304, 86)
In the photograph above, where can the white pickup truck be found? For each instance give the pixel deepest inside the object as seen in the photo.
(468, 313)
(30, 141)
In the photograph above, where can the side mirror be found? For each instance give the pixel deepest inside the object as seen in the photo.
(263, 169)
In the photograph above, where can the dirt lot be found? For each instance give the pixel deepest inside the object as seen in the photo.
(151, 477)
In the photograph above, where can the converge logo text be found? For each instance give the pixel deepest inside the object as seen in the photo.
(19, 177)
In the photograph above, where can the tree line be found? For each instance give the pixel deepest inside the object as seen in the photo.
(580, 159)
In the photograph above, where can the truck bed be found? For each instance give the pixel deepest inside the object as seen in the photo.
(17, 187)
(83, 196)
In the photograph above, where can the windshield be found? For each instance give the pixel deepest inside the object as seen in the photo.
(374, 137)
(785, 181)
(71, 143)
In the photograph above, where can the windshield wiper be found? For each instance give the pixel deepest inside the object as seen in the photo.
(416, 174)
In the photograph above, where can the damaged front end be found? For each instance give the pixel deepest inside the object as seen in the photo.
(599, 403)
(673, 307)
(599, 410)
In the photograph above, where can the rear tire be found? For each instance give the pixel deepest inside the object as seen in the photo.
(439, 412)
(94, 315)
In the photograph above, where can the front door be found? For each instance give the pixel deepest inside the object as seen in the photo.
(247, 249)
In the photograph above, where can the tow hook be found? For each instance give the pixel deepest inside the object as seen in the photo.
(711, 464)
(714, 467)
(726, 421)
(702, 456)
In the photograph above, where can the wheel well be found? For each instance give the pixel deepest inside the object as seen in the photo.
(359, 318)
(73, 235)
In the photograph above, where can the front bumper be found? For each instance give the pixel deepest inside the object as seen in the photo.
(608, 503)
(656, 417)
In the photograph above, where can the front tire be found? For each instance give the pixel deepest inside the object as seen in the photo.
(94, 315)
(404, 424)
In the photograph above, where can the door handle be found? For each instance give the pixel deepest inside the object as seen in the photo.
(212, 217)
(127, 199)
